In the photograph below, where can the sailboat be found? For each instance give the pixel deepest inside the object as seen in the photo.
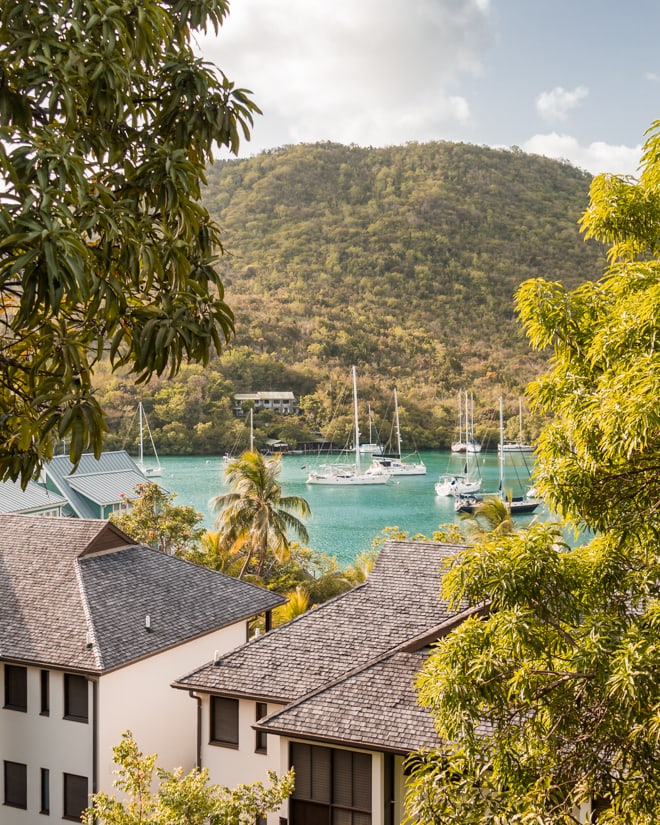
(471, 443)
(516, 505)
(147, 470)
(466, 443)
(459, 446)
(371, 447)
(460, 484)
(395, 464)
(517, 446)
(349, 474)
(229, 456)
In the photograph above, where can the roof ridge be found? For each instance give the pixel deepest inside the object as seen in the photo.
(91, 641)
(409, 646)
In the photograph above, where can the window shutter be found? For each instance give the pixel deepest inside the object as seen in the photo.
(321, 774)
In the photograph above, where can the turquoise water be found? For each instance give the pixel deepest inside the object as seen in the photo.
(345, 520)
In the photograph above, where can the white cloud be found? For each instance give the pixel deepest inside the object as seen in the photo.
(556, 104)
(597, 157)
(373, 72)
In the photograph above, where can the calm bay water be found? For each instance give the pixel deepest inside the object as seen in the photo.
(345, 520)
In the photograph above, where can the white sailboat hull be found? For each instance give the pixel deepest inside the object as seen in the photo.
(346, 477)
(399, 467)
(370, 449)
(150, 472)
(456, 485)
(515, 447)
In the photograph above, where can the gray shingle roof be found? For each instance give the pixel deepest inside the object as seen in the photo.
(375, 708)
(400, 600)
(66, 583)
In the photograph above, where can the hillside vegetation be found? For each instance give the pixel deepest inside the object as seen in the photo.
(402, 260)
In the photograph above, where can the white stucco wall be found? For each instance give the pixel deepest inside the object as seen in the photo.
(162, 720)
(234, 766)
(231, 766)
(39, 741)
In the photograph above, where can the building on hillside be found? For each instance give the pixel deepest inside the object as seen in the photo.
(284, 403)
(275, 446)
(93, 629)
(332, 694)
(34, 500)
(98, 487)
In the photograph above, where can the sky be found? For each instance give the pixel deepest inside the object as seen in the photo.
(577, 80)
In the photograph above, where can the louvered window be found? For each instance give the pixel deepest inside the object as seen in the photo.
(15, 776)
(16, 687)
(224, 721)
(76, 697)
(75, 796)
(261, 737)
(333, 787)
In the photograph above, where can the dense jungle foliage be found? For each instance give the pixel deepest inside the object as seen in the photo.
(402, 260)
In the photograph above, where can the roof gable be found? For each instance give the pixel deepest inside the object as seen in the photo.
(74, 593)
(96, 481)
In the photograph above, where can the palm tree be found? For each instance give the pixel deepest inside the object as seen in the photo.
(254, 517)
(491, 517)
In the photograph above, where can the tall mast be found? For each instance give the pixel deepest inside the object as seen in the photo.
(141, 462)
(460, 417)
(467, 421)
(396, 423)
(356, 422)
(520, 437)
(251, 431)
(501, 451)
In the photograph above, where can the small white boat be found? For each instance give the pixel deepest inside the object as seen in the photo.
(147, 470)
(348, 475)
(466, 443)
(395, 464)
(345, 475)
(466, 482)
(457, 485)
(518, 446)
(371, 447)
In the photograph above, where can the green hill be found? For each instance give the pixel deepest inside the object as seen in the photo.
(403, 260)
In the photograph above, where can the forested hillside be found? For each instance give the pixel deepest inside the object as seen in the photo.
(402, 260)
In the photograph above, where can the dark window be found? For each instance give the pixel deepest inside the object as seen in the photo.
(333, 787)
(45, 692)
(75, 796)
(76, 697)
(261, 737)
(16, 687)
(224, 721)
(45, 791)
(16, 784)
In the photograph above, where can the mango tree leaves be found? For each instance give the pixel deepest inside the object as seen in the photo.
(107, 121)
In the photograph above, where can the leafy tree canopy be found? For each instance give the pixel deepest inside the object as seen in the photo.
(254, 518)
(179, 797)
(553, 700)
(107, 120)
(155, 520)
